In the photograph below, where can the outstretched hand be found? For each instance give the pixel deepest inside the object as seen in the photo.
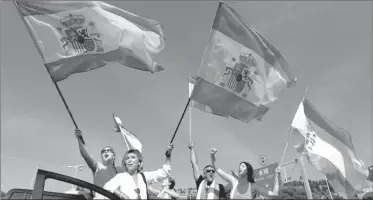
(169, 150)
(78, 133)
(278, 170)
(213, 151)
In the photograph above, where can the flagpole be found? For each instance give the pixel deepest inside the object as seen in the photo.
(55, 84)
(66, 106)
(305, 180)
(190, 88)
(124, 137)
(290, 131)
(286, 146)
(181, 118)
(327, 184)
(190, 122)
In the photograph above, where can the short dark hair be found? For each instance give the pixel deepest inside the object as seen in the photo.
(172, 182)
(208, 166)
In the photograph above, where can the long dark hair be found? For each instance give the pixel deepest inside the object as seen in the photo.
(250, 172)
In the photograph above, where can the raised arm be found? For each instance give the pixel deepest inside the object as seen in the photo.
(194, 161)
(227, 177)
(153, 190)
(265, 192)
(158, 175)
(91, 162)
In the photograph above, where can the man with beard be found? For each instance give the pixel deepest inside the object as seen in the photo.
(206, 186)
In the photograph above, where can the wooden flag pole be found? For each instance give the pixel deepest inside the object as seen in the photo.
(305, 180)
(55, 84)
(121, 132)
(290, 132)
(125, 138)
(190, 122)
(190, 88)
(181, 118)
(67, 108)
(327, 184)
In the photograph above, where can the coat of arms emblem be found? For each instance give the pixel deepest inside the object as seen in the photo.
(241, 75)
(79, 35)
(310, 136)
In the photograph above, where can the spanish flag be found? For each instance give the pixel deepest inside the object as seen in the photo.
(74, 37)
(329, 149)
(199, 106)
(241, 71)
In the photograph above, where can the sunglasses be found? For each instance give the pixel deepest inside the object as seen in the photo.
(106, 150)
(137, 190)
(210, 170)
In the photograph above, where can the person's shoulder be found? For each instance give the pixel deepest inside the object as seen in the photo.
(100, 166)
(120, 169)
(199, 179)
(121, 176)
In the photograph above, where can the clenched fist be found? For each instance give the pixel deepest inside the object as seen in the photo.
(213, 151)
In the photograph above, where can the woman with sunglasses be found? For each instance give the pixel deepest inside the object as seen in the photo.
(102, 171)
(133, 182)
(244, 186)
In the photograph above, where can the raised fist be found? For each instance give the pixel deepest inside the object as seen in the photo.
(278, 170)
(191, 145)
(169, 150)
(213, 151)
(78, 133)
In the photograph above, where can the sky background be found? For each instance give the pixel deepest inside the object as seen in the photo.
(328, 46)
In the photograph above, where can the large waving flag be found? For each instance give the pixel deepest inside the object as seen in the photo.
(75, 37)
(329, 148)
(199, 106)
(131, 140)
(241, 71)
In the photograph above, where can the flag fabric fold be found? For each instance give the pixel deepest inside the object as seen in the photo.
(200, 106)
(324, 149)
(241, 71)
(74, 37)
(130, 138)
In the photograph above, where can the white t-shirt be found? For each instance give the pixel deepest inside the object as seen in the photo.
(125, 183)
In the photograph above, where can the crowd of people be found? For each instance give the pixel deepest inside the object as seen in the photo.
(130, 181)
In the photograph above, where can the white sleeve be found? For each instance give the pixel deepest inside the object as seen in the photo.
(114, 183)
(158, 175)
